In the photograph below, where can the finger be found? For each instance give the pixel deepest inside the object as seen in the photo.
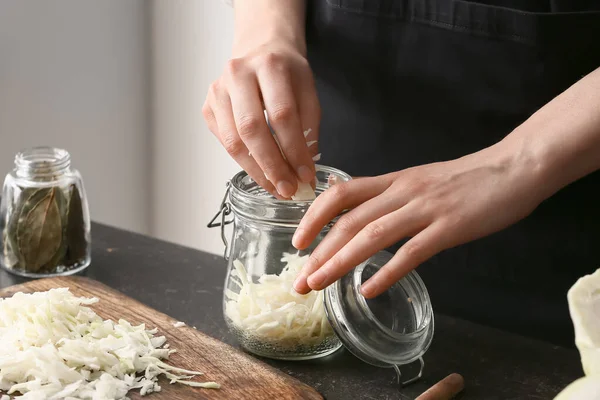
(253, 130)
(332, 202)
(225, 130)
(423, 246)
(445, 389)
(342, 232)
(278, 96)
(376, 236)
(310, 110)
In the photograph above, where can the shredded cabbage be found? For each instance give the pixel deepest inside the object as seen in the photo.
(272, 311)
(305, 190)
(53, 346)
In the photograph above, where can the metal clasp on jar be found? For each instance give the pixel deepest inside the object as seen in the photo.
(224, 211)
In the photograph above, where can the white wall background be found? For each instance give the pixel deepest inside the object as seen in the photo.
(73, 74)
(120, 84)
(191, 43)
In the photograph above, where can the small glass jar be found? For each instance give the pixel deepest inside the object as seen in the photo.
(44, 216)
(267, 316)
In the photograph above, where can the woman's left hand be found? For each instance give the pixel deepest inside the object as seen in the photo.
(438, 206)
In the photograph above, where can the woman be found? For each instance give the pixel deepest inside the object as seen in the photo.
(476, 122)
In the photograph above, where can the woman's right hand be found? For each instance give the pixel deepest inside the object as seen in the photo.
(277, 77)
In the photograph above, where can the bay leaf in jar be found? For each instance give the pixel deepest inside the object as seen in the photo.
(40, 229)
(24, 200)
(58, 259)
(76, 245)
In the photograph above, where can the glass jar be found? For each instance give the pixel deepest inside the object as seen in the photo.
(269, 319)
(261, 308)
(44, 216)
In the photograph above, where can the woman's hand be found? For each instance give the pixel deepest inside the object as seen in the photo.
(274, 76)
(438, 206)
(268, 71)
(445, 204)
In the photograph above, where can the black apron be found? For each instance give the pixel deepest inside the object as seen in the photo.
(409, 82)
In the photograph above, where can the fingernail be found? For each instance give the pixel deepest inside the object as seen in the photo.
(305, 174)
(368, 289)
(317, 279)
(299, 282)
(297, 238)
(285, 188)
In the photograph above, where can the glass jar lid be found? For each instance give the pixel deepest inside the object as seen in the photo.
(395, 328)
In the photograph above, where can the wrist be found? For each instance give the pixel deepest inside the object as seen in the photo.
(274, 40)
(521, 167)
(530, 164)
(562, 139)
(272, 23)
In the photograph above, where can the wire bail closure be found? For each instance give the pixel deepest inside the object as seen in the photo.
(224, 211)
(415, 378)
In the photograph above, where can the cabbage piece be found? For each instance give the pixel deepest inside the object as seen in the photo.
(586, 388)
(584, 307)
(304, 192)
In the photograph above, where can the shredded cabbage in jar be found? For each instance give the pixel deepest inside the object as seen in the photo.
(273, 311)
(53, 346)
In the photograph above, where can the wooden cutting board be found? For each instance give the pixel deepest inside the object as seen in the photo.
(241, 376)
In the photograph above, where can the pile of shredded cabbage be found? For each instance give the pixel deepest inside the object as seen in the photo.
(272, 311)
(52, 346)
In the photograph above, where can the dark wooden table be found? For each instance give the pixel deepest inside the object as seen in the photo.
(188, 284)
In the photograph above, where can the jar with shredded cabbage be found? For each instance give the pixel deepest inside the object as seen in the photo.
(262, 309)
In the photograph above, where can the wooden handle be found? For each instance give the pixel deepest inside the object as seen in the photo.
(445, 389)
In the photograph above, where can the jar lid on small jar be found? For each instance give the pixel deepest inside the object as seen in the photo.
(390, 330)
